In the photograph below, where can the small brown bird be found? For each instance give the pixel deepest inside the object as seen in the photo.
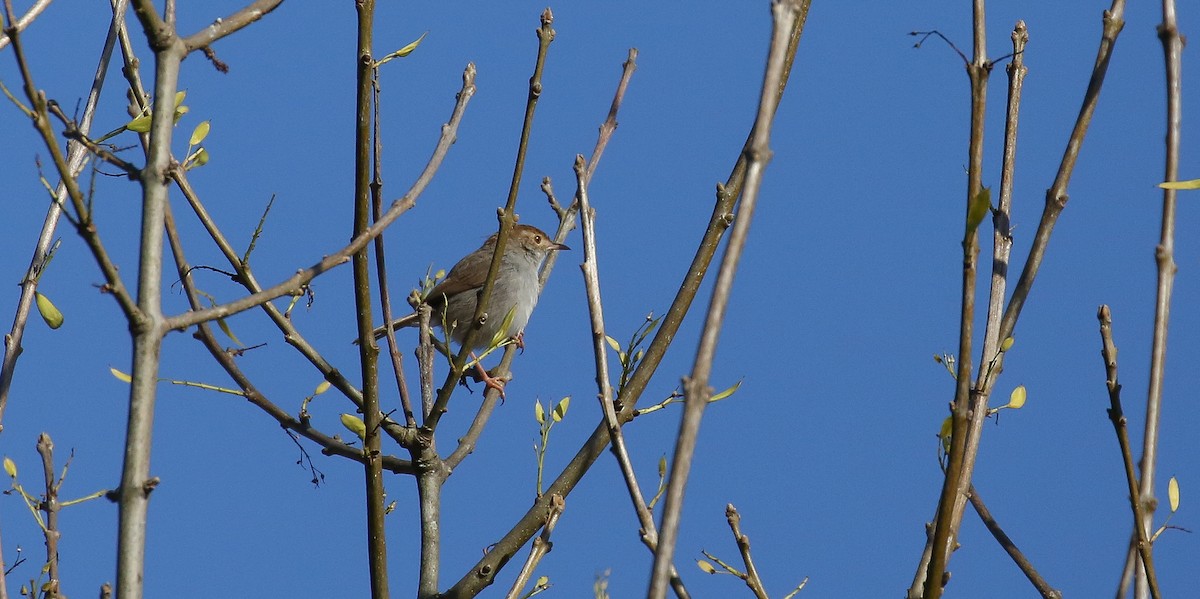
(516, 289)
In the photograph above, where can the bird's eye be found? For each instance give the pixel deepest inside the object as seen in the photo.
(537, 238)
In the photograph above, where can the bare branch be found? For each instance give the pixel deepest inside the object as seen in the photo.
(1117, 416)
(223, 27)
(25, 21)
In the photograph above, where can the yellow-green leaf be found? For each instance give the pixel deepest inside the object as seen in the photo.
(179, 96)
(1017, 398)
(121, 376)
(179, 112)
(706, 567)
(49, 311)
(502, 332)
(613, 343)
(1007, 345)
(539, 412)
(199, 133)
(1190, 184)
(560, 410)
(355, 425)
(726, 393)
(1173, 490)
(201, 157)
(140, 124)
(542, 581)
(978, 208)
(323, 387)
(402, 52)
(405, 51)
(10, 467)
(662, 466)
(224, 326)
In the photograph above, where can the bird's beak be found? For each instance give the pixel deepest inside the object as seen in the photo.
(559, 246)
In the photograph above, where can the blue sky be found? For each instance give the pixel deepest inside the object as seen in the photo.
(849, 286)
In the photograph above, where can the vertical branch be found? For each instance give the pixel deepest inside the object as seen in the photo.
(50, 505)
(785, 13)
(385, 299)
(147, 328)
(1141, 533)
(368, 350)
(970, 405)
(1002, 216)
(1164, 255)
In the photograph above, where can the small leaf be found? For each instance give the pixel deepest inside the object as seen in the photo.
(502, 332)
(539, 412)
(391, 507)
(323, 387)
(140, 124)
(662, 466)
(1017, 398)
(224, 326)
(179, 96)
(560, 410)
(1007, 345)
(10, 467)
(49, 311)
(1191, 184)
(541, 581)
(1173, 490)
(706, 567)
(613, 343)
(978, 208)
(121, 376)
(199, 133)
(179, 112)
(725, 393)
(201, 158)
(405, 51)
(355, 425)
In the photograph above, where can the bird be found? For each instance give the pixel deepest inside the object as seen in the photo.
(516, 289)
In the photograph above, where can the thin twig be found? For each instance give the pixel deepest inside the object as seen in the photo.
(1043, 587)
(541, 546)
(25, 21)
(385, 299)
(1117, 415)
(50, 506)
(751, 576)
(591, 280)
(228, 25)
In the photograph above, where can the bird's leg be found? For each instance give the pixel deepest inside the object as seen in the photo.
(486, 378)
(520, 341)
